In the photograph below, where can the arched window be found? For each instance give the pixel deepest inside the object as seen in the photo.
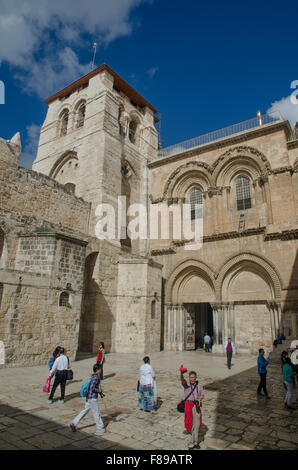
(196, 203)
(153, 309)
(70, 188)
(133, 130)
(64, 122)
(81, 115)
(243, 193)
(64, 300)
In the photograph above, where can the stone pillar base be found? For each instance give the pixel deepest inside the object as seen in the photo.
(218, 349)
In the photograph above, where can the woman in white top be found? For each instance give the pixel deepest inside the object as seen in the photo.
(147, 387)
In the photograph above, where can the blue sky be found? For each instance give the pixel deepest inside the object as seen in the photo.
(203, 65)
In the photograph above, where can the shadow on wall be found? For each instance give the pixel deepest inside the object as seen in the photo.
(96, 316)
(290, 310)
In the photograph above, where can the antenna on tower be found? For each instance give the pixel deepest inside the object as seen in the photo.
(94, 55)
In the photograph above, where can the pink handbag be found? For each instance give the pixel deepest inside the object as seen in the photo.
(46, 388)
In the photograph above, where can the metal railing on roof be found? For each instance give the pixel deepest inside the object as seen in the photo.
(258, 121)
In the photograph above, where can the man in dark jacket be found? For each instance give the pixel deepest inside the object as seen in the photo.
(262, 371)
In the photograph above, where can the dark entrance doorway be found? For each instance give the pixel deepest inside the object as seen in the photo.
(202, 322)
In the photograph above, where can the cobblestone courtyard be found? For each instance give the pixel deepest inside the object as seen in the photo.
(234, 417)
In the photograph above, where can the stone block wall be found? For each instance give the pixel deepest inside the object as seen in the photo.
(136, 330)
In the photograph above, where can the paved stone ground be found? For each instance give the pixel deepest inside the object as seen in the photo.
(234, 417)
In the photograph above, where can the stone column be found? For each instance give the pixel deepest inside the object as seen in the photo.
(278, 306)
(272, 320)
(232, 322)
(219, 317)
(181, 328)
(167, 345)
(225, 322)
(215, 322)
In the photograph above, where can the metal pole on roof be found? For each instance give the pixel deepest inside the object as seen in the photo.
(94, 55)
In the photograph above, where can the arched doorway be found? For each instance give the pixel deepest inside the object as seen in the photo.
(189, 314)
(250, 304)
(88, 311)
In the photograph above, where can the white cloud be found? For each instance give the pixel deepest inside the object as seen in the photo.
(287, 109)
(153, 71)
(32, 31)
(30, 150)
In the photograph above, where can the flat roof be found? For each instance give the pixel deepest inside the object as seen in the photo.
(119, 83)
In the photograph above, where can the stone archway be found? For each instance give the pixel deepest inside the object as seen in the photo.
(250, 293)
(190, 291)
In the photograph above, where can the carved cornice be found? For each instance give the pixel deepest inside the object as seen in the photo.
(283, 235)
(283, 169)
(161, 252)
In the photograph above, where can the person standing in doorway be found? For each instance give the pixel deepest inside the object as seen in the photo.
(262, 371)
(229, 349)
(207, 341)
(101, 358)
(60, 366)
(92, 402)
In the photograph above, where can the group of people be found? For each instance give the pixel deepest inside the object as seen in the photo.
(288, 377)
(147, 392)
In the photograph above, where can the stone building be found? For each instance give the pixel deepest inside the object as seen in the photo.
(62, 284)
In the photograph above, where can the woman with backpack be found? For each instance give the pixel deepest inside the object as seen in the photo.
(90, 390)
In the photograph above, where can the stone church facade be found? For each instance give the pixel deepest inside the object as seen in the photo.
(61, 284)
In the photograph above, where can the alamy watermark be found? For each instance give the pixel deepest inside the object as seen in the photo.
(162, 222)
(2, 92)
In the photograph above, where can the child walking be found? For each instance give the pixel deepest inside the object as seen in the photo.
(92, 403)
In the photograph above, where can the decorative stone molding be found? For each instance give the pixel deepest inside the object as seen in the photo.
(61, 161)
(283, 169)
(165, 251)
(284, 235)
(190, 265)
(244, 150)
(193, 165)
(258, 260)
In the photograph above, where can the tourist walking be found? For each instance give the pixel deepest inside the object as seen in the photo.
(60, 366)
(262, 371)
(229, 349)
(193, 396)
(288, 377)
(92, 402)
(147, 387)
(207, 341)
(101, 357)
